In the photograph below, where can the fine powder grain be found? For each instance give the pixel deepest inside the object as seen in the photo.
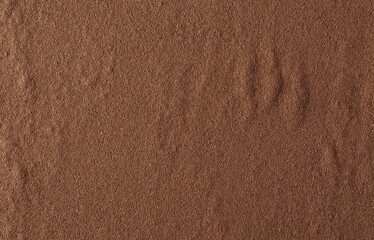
(211, 119)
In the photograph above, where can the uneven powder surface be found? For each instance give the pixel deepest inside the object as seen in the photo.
(155, 119)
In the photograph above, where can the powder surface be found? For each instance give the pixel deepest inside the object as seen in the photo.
(155, 119)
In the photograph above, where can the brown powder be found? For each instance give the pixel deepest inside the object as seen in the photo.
(186, 119)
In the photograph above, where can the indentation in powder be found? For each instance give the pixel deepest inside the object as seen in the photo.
(243, 88)
(296, 92)
(329, 164)
(270, 79)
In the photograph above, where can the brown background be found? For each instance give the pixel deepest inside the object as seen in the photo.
(186, 119)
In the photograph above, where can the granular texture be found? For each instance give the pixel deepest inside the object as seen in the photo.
(211, 119)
